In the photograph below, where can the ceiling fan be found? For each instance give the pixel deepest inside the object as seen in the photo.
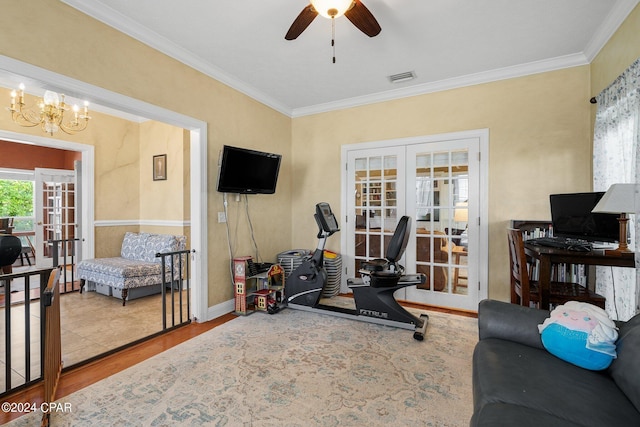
(354, 10)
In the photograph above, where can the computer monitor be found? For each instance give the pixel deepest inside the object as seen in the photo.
(571, 217)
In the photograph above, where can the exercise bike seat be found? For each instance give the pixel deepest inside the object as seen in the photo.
(384, 279)
(395, 250)
(378, 264)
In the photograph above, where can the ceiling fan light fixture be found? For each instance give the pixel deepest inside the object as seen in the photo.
(331, 8)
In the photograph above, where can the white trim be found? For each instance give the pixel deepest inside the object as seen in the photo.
(448, 84)
(138, 222)
(126, 25)
(200, 226)
(621, 9)
(129, 105)
(87, 157)
(483, 268)
(483, 136)
(17, 174)
(220, 309)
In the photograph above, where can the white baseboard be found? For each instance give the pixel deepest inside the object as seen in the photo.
(219, 310)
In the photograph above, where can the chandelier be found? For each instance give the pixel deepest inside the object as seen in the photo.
(49, 113)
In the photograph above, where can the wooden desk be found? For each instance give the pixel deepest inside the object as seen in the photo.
(458, 252)
(549, 256)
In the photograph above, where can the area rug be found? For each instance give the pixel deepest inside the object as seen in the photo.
(293, 368)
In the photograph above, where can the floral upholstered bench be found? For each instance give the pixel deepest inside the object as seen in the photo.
(137, 272)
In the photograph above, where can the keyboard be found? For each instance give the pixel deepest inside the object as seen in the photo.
(562, 243)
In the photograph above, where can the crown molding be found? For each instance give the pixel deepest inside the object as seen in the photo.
(448, 84)
(126, 25)
(612, 22)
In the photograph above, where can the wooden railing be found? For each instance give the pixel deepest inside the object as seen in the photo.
(52, 360)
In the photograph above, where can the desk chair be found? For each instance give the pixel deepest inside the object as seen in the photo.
(28, 251)
(525, 291)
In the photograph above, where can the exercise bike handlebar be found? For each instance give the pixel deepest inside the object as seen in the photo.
(326, 220)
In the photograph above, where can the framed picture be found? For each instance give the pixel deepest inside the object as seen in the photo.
(160, 167)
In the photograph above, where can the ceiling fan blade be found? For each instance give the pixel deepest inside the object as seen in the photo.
(360, 16)
(301, 23)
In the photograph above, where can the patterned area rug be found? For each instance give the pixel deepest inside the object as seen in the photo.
(293, 368)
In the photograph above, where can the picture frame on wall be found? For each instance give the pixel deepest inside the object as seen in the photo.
(160, 167)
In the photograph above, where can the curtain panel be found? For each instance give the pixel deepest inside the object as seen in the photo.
(616, 159)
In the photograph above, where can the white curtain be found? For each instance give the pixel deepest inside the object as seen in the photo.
(616, 159)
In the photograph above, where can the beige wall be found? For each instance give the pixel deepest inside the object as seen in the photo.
(540, 130)
(114, 61)
(620, 51)
(539, 144)
(158, 198)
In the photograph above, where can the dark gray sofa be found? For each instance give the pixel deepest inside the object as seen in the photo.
(516, 382)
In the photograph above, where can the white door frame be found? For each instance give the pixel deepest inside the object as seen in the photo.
(483, 214)
(116, 101)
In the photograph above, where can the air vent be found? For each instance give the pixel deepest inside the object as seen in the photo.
(402, 77)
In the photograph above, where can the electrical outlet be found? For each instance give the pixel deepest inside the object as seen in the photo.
(222, 217)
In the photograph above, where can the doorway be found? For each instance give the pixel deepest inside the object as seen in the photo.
(197, 130)
(55, 216)
(440, 182)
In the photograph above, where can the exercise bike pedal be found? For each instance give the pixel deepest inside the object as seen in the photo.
(421, 330)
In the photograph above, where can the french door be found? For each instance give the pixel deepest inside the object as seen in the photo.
(375, 203)
(437, 184)
(55, 192)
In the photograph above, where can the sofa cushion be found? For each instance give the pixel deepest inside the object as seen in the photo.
(502, 414)
(506, 372)
(133, 245)
(158, 243)
(625, 370)
(624, 327)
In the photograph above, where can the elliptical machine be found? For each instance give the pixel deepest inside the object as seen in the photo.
(372, 293)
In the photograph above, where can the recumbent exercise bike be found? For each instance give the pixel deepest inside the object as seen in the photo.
(372, 292)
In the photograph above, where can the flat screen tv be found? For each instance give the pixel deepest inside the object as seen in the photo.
(571, 217)
(247, 171)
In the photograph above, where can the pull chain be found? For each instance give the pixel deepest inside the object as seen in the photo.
(333, 37)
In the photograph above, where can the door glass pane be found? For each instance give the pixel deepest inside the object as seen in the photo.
(375, 206)
(441, 220)
(58, 220)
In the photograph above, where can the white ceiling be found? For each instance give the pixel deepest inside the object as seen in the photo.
(446, 43)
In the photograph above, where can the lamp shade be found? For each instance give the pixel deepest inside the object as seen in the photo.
(619, 198)
(324, 6)
(461, 212)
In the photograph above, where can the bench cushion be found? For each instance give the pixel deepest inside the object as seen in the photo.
(121, 273)
(121, 267)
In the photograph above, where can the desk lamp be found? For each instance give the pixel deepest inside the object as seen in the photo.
(461, 213)
(619, 198)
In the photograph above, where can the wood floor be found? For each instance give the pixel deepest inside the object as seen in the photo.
(91, 324)
(83, 376)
